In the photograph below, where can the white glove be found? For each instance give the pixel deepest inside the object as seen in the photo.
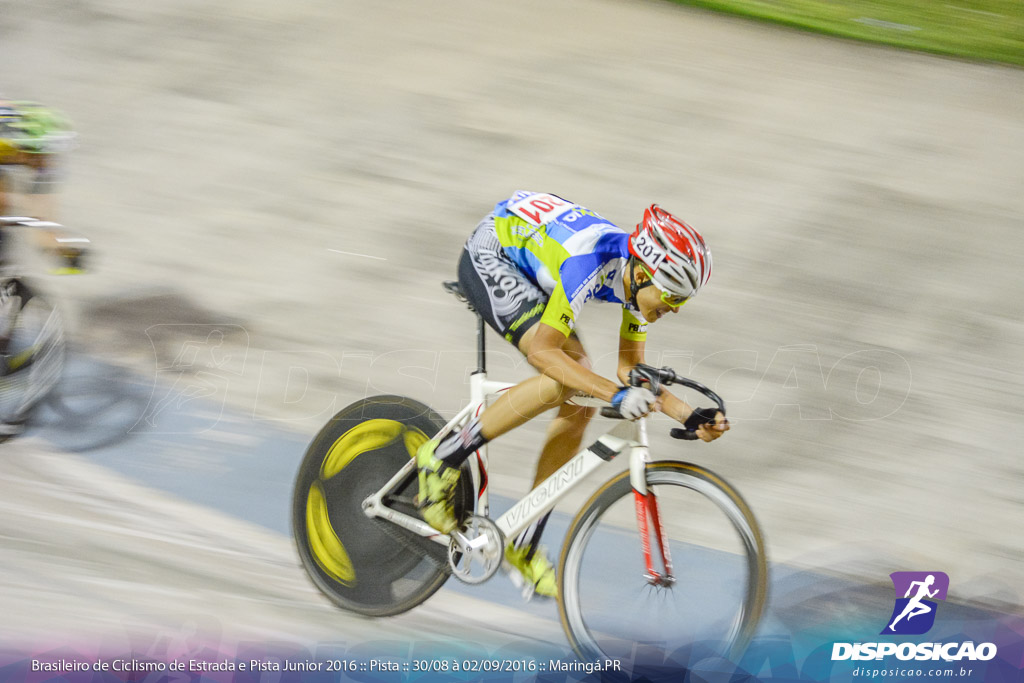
(633, 402)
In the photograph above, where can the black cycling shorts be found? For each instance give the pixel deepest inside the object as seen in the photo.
(509, 301)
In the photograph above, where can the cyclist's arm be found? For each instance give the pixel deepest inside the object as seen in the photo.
(547, 352)
(547, 355)
(631, 353)
(675, 407)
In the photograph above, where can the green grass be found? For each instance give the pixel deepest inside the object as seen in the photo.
(991, 30)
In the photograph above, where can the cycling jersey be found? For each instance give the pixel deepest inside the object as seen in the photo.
(572, 253)
(29, 128)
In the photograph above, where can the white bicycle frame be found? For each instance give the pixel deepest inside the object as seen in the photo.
(624, 436)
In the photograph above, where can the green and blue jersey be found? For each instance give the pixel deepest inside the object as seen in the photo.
(572, 253)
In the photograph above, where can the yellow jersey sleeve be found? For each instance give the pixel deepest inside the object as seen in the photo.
(558, 313)
(634, 328)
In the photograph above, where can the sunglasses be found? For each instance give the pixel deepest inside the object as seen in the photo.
(674, 300)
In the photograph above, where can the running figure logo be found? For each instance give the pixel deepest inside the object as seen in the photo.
(914, 613)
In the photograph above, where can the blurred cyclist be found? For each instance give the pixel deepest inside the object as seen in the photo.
(528, 268)
(32, 137)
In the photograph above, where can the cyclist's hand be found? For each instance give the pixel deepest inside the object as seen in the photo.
(707, 423)
(634, 402)
(710, 432)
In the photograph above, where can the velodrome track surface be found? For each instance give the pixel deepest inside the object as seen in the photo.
(108, 550)
(863, 205)
(111, 543)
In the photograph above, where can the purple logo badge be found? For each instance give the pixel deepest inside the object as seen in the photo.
(916, 593)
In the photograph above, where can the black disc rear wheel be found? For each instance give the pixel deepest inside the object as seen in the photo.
(368, 565)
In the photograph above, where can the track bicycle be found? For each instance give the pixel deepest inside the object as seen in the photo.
(631, 578)
(32, 336)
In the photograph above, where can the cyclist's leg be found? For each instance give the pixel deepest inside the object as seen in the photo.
(537, 395)
(512, 305)
(565, 433)
(509, 302)
(525, 552)
(522, 403)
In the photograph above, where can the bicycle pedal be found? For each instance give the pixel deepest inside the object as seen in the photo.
(527, 589)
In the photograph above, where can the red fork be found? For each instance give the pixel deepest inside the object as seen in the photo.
(647, 516)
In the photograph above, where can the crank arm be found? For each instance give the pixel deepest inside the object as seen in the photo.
(467, 545)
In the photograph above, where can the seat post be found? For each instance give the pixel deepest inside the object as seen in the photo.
(453, 288)
(481, 345)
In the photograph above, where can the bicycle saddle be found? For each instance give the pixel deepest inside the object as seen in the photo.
(455, 289)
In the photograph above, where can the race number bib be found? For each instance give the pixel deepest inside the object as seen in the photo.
(649, 252)
(540, 208)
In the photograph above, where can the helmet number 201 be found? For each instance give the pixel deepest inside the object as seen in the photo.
(647, 250)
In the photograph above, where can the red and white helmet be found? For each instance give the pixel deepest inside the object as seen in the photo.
(673, 252)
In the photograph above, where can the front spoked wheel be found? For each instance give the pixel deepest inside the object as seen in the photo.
(612, 608)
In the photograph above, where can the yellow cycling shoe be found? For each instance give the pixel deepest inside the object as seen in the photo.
(437, 488)
(536, 575)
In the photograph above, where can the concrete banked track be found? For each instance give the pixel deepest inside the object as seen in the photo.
(863, 206)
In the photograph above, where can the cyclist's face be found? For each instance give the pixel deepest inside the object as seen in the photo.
(652, 305)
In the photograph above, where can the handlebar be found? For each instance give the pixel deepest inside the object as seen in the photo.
(70, 247)
(656, 378)
(26, 222)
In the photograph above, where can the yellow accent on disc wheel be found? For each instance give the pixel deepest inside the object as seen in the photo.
(365, 436)
(414, 438)
(325, 545)
(17, 361)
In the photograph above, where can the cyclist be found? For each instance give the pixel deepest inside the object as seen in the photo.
(32, 137)
(528, 269)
